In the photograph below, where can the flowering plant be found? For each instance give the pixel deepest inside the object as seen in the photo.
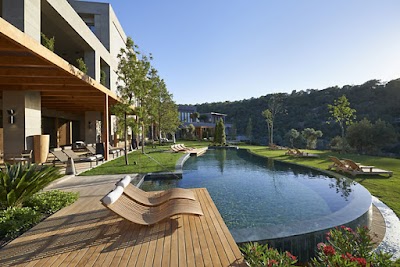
(261, 255)
(348, 247)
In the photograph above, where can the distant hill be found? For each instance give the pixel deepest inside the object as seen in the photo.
(308, 109)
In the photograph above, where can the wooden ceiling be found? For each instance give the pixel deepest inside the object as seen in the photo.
(27, 65)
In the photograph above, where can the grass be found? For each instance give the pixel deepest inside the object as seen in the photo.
(386, 189)
(164, 160)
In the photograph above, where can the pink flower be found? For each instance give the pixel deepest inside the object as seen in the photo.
(348, 229)
(361, 261)
(290, 255)
(320, 245)
(329, 250)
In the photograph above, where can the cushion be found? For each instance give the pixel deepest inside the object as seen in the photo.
(113, 196)
(124, 182)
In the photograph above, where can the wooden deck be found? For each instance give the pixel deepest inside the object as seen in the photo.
(87, 234)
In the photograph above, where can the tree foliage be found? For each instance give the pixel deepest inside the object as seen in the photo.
(309, 109)
(140, 86)
(249, 130)
(367, 137)
(311, 136)
(82, 65)
(342, 113)
(220, 136)
(48, 42)
(292, 135)
(274, 107)
(167, 111)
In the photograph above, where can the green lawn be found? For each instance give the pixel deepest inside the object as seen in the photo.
(386, 189)
(164, 160)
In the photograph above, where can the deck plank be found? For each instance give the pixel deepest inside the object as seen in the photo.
(188, 242)
(160, 245)
(87, 234)
(208, 235)
(166, 256)
(181, 243)
(174, 241)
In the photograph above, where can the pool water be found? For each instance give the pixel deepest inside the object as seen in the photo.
(263, 199)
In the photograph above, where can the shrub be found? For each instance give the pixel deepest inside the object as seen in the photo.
(48, 42)
(14, 221)
(260, 255)
(82, 65)
(19, 182)
(51, 201)
(346, 247)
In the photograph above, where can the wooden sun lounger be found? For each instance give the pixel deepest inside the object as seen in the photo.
(132, 211)
(177, 148)
(338, 165)
(305, 154)
(356, 169)
(153, 198)
(186, 148)
(290, 152)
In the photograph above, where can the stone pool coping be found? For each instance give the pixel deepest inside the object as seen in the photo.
(391, 240)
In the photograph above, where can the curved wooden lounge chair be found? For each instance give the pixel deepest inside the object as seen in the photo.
(153, 198)
(290, 152)
(356, 168)
(338, 164)
(177, 148)
(132, 211)
(182, 146)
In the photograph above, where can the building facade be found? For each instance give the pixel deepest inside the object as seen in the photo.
(43, 91)
(204, 124)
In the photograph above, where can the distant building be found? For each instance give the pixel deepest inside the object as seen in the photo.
(204, 124)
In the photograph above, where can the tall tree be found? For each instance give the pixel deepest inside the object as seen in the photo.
(292, 135)
(342, 113)
(311, 136)
(220, 136)
(274, 108)
(217, 133)
(222, 131)
(133, 71)
(167, 111)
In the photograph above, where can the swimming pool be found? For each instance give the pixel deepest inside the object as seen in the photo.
(262, 199)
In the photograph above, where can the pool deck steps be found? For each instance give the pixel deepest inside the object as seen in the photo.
(87, 234)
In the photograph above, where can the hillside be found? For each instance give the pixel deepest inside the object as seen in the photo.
(308, 109)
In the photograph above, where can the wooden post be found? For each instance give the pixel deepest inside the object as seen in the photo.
(105, 133)
(57, 132)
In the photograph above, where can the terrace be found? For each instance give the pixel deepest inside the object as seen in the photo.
(87, 234)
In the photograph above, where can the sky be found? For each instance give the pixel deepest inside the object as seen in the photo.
(220, 50)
